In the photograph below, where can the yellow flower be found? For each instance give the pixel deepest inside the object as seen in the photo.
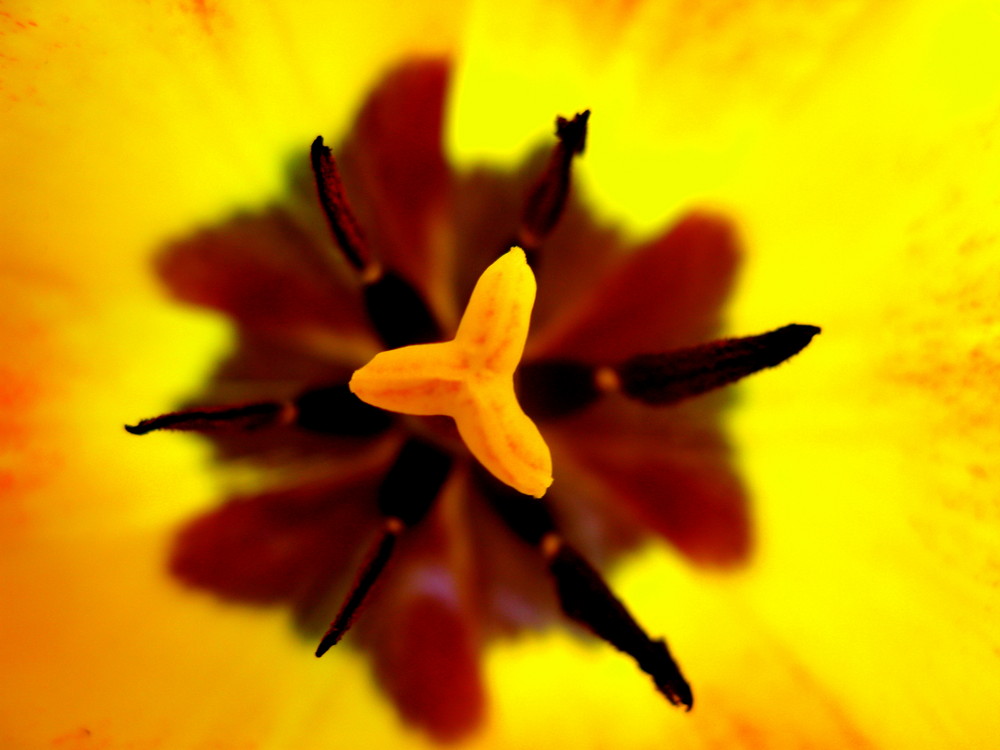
(470, 558)
(853, 143)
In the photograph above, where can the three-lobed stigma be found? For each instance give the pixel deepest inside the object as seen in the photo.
(471, 378)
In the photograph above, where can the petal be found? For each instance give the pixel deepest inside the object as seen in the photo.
(667, 294)
(678, 89)
(129, 125)
(430, 664)
(856, 145)
(422, 629)
(273, 274)
(670, 469)
(295, 546)
(396, 176)
(265, 368)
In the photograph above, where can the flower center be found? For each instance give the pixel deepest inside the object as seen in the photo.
(471, 378)
(298, 544)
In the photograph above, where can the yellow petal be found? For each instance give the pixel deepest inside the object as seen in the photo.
(856, 146)
(472, 378)
(127, 125)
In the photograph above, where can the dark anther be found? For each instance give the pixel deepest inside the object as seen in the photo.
(555, 388)
(407, 493)
(338, 211)
(528, 517)
(398, 312)
(378, 558)
(583, 594)
(674, 376)
(244, 417)
(334, 410)
(573, 133)
(412, 484)
(586, 598)
(547, 197)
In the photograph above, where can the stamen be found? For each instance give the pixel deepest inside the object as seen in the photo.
(586, 598)
(397, 311)
(378, 558)
(554, 388)
(411, 486)
(338, 212)
(405, 496)
(606, 379)
(529, 518)
(583, 594)
(330, 410)
(334, 410)
(673, 376)
(208, 419)
(547, 197)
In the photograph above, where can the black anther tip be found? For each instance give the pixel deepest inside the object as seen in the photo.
(573, 133)
(796, 337)
(325, 645)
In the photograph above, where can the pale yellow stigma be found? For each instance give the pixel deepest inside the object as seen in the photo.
(471, 378)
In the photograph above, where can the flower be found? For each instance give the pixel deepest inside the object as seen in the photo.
(853, 144)
(644, 470)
